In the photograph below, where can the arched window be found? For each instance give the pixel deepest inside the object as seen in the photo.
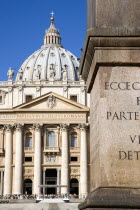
(28, 140)
(73, 142)
(51, 139)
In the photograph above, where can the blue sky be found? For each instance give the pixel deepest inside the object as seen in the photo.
(23, 24)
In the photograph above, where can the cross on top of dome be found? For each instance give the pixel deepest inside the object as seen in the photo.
(52, 13)
(52, 18)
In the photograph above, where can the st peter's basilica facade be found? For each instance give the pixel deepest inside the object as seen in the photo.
(44, 130)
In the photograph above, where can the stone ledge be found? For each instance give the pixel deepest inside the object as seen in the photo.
(109, 198)
(94, 40)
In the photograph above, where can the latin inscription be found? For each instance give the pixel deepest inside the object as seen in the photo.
(123, 115)
(40, 116)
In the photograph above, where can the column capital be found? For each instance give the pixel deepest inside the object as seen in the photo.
(18, 127)
(37, 126)
(83, 126)
(64, 126)
(8, 128)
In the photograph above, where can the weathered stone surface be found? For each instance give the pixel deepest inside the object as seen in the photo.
(114, 13)
(112, 198)
(110, 66)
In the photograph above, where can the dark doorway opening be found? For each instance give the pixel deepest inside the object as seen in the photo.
(74, 187)
(51, 179)
(27, 187)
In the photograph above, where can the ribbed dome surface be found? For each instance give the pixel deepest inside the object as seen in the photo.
(41, 63)
(51, 62)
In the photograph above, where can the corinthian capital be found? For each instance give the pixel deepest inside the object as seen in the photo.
(8, 128)
(64, 126)
(83, 126)
(18, 127)
(37, 126)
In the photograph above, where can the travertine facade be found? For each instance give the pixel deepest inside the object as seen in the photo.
(44, 124)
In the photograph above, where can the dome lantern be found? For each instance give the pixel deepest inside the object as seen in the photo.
(52, 35)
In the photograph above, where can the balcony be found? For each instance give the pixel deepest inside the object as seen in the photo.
(51, 150)
(74, 149)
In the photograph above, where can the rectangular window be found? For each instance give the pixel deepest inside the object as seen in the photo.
(73, 98)
(0, 99)
(73, 159)
(51, 139)
(28, 142)
(28, 159)
(28, 98)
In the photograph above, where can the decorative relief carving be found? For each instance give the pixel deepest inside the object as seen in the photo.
(28, 171)
(51, 158)
(74, 171)
(51, 102)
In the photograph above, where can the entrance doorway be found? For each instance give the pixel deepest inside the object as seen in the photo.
(27, 187)
(51, 179)
(74, 187)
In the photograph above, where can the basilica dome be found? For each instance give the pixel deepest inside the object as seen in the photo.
(51, 62)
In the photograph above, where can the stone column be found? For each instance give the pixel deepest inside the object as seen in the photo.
(83, 162)
(58, 180)
(37, 159)
(18, 160)
(8, 160)
(1, 182)
(65, 160)
(44, 181)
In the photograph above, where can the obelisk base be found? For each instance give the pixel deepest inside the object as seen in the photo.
(112, 198)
